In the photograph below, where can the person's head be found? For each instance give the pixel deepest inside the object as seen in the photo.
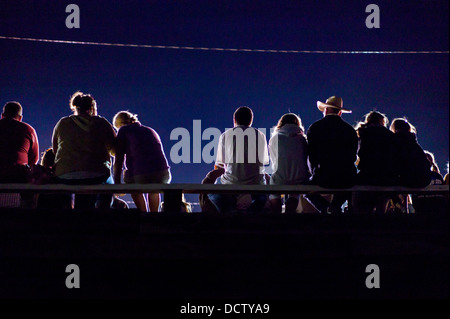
(83, 104)
(334, 105)
(124, 118)
(434, 166)
(48, 158)
(331, 111)
(243, 116)
(12, 110)
(401, 125)
(290, 118)
(374, 118)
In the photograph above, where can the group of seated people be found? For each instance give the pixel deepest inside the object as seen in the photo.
(331, 154)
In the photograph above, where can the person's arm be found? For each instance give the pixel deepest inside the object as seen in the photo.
(355, 146)
(55, 139)
(273, 152)
(118, 159)
(312, 152)
(220, 158)
(33, 153)
(265, 153)
(111, 139)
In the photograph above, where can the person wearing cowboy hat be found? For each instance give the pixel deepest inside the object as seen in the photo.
(332, 147)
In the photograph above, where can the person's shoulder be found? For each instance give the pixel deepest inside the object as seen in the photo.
(274, 135)
(101, 120)
(228, 131)
(147, 128)
(65, 119)
(24, 127)
(348, 126)
(139, 128)
(28, 127)
(301, 137)
(384, 130)
(342, 120)
(406, 138)
(317, 123)
(261, 133)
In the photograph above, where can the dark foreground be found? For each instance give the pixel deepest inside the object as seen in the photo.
(195, 256)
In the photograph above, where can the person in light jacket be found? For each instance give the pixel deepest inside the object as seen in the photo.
(288, 150)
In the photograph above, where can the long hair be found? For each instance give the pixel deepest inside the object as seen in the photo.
(373, 118)
(433, 164)
(289, 118)
(48, 158)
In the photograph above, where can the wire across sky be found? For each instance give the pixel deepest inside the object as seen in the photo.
(172, 47)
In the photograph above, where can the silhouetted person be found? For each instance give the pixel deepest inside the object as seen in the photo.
(139, 147)
(288, 151)
(83, 144)
(19, 148)
(332, 145)
(376, 162)
(242, 152)
(412, 165)
(44, 173)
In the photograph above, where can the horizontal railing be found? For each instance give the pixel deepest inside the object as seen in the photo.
(214, 188)
(173, 192)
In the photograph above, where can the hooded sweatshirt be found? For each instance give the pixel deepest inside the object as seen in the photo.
(289, 156)
(84, 145)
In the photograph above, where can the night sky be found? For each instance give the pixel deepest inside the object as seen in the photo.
(170, 88)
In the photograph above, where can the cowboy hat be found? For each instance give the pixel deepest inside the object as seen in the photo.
(334, 102)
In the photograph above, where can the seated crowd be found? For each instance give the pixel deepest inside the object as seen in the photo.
(331, 154)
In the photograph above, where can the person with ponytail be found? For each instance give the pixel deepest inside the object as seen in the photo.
(83, 144)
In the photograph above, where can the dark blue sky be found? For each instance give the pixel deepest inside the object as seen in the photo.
(171, 88)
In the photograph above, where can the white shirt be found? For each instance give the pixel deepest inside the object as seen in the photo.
(242, 152)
